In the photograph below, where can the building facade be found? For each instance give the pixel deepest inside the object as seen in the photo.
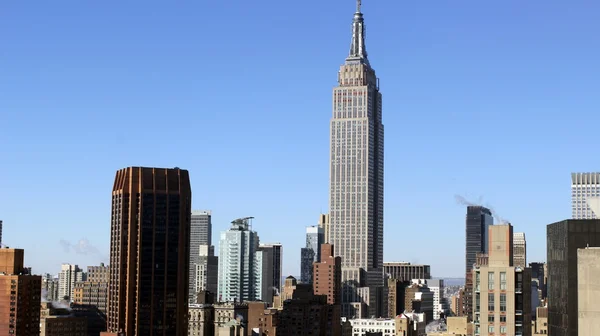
(584, 186)
(405, 271)
(264, 274)
(373, 326)
(356, 179)
(311, 253)
(149, 251)
(502, 292)
(323, 223)
(237, 262)
(327, 275)
(277, 251)
(588, 305)
(563, 240)
(19, 296)
(478, 219)
(200, 235)
(63, 326)
(519, 249)
(201, 321)
(207, 270)
(68, 276)
(49, 288)
(437, 287)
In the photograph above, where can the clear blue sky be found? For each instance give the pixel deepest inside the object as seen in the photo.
(482, 99)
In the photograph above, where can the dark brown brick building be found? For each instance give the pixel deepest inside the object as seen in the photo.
(19, 296)
(149, 252)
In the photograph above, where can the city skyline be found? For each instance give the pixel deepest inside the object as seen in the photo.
(426, 165)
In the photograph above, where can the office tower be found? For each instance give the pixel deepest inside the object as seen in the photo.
(323, 223)
(264, 273)
(237, 260)
(478, 220)
(311, 253)
(19, 296)
(277, 250)
(207, 270)
(68, 276)
(519, 249)
(149, 252)
(327, 275)
(563, 240)
(405, 271)
(588, 305)
(93, 291)
(437, 287)
(200, 235)
(584, 186)
(502, 298)
(356, 179)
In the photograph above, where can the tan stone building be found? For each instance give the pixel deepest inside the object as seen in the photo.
(502, 292)
(588, 291)
(201, 320)
(540, 325)
(456, 326)
(410, 324)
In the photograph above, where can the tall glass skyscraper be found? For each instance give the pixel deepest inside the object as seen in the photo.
(238, 280)
(356, 179)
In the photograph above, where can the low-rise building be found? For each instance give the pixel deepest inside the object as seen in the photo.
(364, 327)
(201, 320)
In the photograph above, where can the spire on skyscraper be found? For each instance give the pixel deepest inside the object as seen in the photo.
(358, 51)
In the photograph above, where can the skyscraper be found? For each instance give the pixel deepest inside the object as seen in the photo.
(200, 235)
(356, 179)
(502, 298)
(237, 260)
(149, 252)
(277, 250)
(311, 253)
(207, 270)
(478, 220)
(68, 276)
(563, 239)
(584, 186)
(519, 249)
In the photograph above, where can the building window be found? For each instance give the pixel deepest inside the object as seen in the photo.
(502, 302)
(490, 329)
(503, 329)
(491, 318)
(477, 303)
(491, 280)
(477, 281)
(502, 280)
(491, 302)
(502, 318)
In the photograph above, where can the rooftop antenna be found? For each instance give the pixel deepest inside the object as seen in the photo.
(358, 5)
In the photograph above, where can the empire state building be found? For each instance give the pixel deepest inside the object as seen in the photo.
(356, 179)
